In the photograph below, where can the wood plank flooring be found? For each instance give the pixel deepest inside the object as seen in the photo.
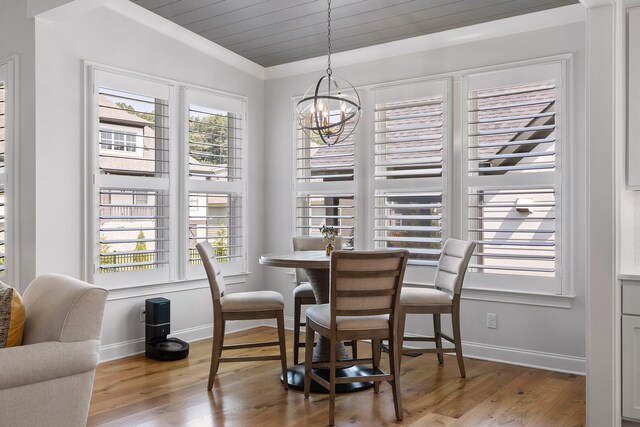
(139, 391)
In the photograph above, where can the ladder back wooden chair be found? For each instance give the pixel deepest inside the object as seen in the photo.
(445, 298)
(303, 293)
(240, 306)
(364, 302)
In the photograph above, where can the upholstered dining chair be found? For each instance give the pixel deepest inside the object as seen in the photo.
(444, 298)
(364, 302)
(240, 306)
(303, 293)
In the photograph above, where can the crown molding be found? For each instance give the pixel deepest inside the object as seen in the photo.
(155, 22)
(487, 30)
(590, 4)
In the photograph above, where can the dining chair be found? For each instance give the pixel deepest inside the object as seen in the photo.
(443, 298)
(303, 292)
(364, 301)
(240, 306)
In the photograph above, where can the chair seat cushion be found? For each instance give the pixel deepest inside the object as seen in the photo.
(423, 296)
(303, 290)
(321, 314)
(252, 301)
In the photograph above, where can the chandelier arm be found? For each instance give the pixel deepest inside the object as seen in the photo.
(315, 114)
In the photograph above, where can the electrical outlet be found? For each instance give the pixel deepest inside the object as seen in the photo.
(492, 320)
(143, 314)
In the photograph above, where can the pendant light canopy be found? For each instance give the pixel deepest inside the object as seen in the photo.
(330, 109)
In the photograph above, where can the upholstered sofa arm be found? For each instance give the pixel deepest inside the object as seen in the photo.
(33, 363)
(61, 308)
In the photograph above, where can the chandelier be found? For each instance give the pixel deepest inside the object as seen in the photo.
(330, 109)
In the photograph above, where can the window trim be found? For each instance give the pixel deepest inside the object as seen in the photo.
(178, 194)
(9, 72)
(193, 95)
(436, 85)
(561, 182)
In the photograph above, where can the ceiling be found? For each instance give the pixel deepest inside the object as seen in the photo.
(272, 32)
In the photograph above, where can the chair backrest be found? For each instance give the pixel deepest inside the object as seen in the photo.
(212, 267)
(366, 283)
(452, 265)
(308, 243)
(61, 308)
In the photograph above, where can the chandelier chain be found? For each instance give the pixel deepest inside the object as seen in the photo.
(329, 71)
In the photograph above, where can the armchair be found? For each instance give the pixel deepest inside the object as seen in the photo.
(48, 380)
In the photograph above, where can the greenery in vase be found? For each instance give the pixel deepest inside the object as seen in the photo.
(329, 234)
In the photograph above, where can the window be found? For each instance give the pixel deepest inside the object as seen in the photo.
(513, 142)
(118, 141)
(325, 186)
(131, 179)
(165, 175)
(3, 179)
(410, 179)
(410, 140)
(215, 181)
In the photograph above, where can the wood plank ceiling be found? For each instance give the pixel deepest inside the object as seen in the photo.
(272, 32)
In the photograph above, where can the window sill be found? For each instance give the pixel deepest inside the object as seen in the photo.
(511, 297)
(631, 277)
(170, 287)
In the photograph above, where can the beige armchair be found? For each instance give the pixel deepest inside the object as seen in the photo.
(48, 380)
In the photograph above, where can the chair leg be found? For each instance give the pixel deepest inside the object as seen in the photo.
(455, 320)
(332, 382)
(376, 351)
(402, 318)
(354, 349)
(283, 349)
(437, 333)
(296, 329)
(308, 360)
(394, 364)
(223, 325)
(216, 350)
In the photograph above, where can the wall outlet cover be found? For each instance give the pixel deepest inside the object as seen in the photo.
(492, 320)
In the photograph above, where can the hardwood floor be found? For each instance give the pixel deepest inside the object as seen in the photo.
(139, 391)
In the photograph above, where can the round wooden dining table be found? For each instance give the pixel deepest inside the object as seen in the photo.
(316, 265)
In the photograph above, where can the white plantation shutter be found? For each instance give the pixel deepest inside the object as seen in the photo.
(513, 142)
(215, 182)
(317, 162)
(215, 144)
(133, 234)
(410, 220)
(411, 144)
(409, 138)
(3, 122)
(334, 210)
(325, 185)
(216, 218)
(512, 129)
(515, 230)
(131, 140)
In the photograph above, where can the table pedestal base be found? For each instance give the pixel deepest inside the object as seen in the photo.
(295, 375)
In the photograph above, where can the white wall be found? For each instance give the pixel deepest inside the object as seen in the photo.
(17, 38)
(537, 335)
(106, 36)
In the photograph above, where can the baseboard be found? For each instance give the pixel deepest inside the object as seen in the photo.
(523, 357)
(136, 346)
(508, 355)
(513, 356)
